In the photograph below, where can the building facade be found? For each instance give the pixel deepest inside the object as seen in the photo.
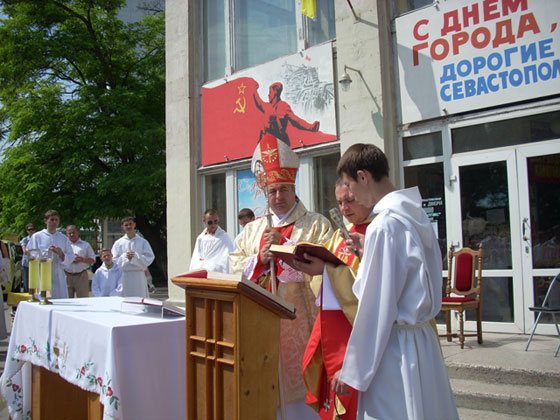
(463, 97)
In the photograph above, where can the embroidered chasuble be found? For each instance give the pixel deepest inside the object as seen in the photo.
(301, 225)
(327, 345)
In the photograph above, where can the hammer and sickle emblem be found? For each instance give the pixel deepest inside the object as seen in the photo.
(241, 104)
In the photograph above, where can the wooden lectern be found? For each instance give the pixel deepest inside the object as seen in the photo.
(233, 336)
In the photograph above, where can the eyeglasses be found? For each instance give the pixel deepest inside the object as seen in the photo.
(212, 222)
(31, 229)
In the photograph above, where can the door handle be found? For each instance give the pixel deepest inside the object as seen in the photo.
(524, 224)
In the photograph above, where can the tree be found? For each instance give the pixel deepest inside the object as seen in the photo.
(82, 118)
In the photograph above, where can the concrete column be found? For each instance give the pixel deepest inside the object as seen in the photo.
(182, 139)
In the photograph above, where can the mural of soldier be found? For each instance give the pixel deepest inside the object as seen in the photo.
(278, 114)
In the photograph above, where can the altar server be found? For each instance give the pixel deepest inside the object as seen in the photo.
(212, 247)
(133, 254)
(393, 357)
(107, 279)
(63, 254)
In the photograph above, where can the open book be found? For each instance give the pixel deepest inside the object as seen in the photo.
(245, 283)
(289, 253)
(167, 309)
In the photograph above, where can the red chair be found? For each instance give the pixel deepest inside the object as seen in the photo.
(464, 281)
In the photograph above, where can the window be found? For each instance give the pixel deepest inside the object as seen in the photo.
(403, 6)
(261, 31)
(429, 179)
(530, 129)
(325, 180)
(321, 28)
(216, 197)
(214, 39)
(423, 145)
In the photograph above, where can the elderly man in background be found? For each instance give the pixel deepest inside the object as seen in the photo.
(77, 277)
(292, 223)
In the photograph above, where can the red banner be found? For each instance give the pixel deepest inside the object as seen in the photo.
(234, 117)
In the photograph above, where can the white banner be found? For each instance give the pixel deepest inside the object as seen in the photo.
(463, 55)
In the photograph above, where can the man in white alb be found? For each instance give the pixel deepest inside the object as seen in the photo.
(133, 254)
(212, 247)
(393, 358)
(63, 254)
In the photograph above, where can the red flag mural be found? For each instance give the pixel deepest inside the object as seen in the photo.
(235, 117)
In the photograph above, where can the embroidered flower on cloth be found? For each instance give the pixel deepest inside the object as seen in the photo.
(17, 399)
(85, 373)
(29, 349)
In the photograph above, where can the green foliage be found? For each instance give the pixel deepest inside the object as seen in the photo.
(82, 116)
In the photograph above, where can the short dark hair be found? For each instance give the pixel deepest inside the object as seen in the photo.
(127, 219)
(210, 212)
(245, 213)
(363, 157)
(105, 250)
(29, 225)
(50, 213)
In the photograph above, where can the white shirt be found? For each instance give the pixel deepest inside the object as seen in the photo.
(83, 249)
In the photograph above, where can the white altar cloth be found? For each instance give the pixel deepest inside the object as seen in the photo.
(136, 363)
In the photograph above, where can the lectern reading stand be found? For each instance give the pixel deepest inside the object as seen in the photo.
(233, 334)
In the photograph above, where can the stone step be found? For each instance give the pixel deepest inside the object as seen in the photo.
(520, 400)
(501, 375)
(471, 414)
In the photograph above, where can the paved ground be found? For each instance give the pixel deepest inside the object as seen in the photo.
(505, 351)
(499, 350)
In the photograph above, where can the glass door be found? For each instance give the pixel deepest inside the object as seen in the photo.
(509, 202)
(485, 199)
(539, 182)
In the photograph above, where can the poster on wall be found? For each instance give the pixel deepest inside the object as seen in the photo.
(291, 97)
(463, 55)
(250, 196)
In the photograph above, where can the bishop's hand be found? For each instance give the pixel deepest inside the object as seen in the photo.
(272, 236)
(265, 255)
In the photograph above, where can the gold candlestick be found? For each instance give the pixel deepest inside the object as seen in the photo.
(34, 256)
(46, 275)
(45, 301)
(32, 297)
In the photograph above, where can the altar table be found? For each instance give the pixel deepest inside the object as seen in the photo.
(134, 362)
